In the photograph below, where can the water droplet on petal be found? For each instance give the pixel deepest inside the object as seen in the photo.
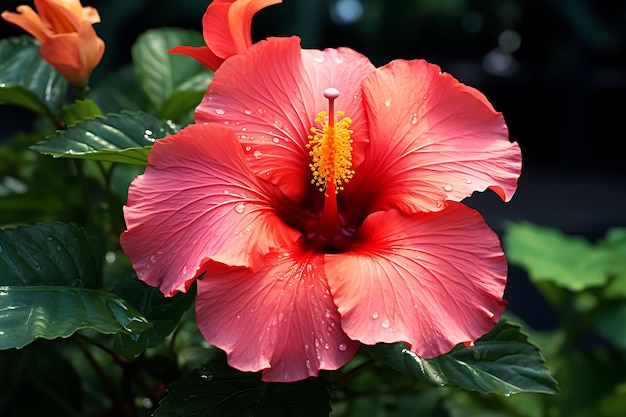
(320, 59)
(226, 122)
(414, 119)
(248, 112)
(275, 140)
(152, 259)
(239, 207)
(385, 324)
(387, 103)
(468, 181)
(448, 187)
(375, 315)
(339, 59)
(258, 154)
(220, 111)
(342, 347)
(248, 148)
(261, 110)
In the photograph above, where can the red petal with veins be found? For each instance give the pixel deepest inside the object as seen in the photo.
(198, 200)
(431, 280)
(433, 139)
(270, 97)
(279, 319)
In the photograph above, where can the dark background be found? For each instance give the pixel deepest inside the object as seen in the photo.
(555, 68)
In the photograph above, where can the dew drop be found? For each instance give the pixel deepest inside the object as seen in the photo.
(239, 207)
(148, 132)
(414, 119)
(385, 324)
(226, 122)
(387, 103)
(468, 181)
(248, 112)
(248, 229)
(320, 59)
(275, 140)
(185, 270)
(258, 154)
(448, 187)
(261, 110)
(339, 59)
(244, 129)
(152, 259)
(342, 347)
(326, 346)
(248, 148)
(220, 111)
(375, 315)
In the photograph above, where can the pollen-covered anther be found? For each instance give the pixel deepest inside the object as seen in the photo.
(331, 148)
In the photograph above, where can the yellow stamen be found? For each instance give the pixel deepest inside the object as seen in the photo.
(331, 148)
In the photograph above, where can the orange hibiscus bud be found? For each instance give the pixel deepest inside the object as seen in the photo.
(65, 29)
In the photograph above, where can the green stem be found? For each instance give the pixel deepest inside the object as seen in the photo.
(81, 91)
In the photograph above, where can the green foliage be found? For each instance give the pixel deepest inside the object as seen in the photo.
(218, 390)
(26, 80)
(164, 314)
(503, 362)
(120, 138)
(50, 273)
(550, 255)
(585, 284)
(173, 83)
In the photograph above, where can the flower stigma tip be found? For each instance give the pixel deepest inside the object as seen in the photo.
(331, 148)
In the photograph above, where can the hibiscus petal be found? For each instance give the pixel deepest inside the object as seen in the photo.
(198, 199)
(202, 54)
(279, 319)
(431, 280)
(432, 139)
(240, 22)
(270, 97)
(29, 20)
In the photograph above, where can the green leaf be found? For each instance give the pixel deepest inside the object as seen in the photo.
(79, 110)
(220, 391)
(162, 74)
(28, 313)
(164, 313)
(26, 79)
(502, 361)
(48, 255)
(611, 324)
(47, 290)
(549, 255)
(124, 138)
(614, 245)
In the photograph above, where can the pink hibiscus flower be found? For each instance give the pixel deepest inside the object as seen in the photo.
(317, 204)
